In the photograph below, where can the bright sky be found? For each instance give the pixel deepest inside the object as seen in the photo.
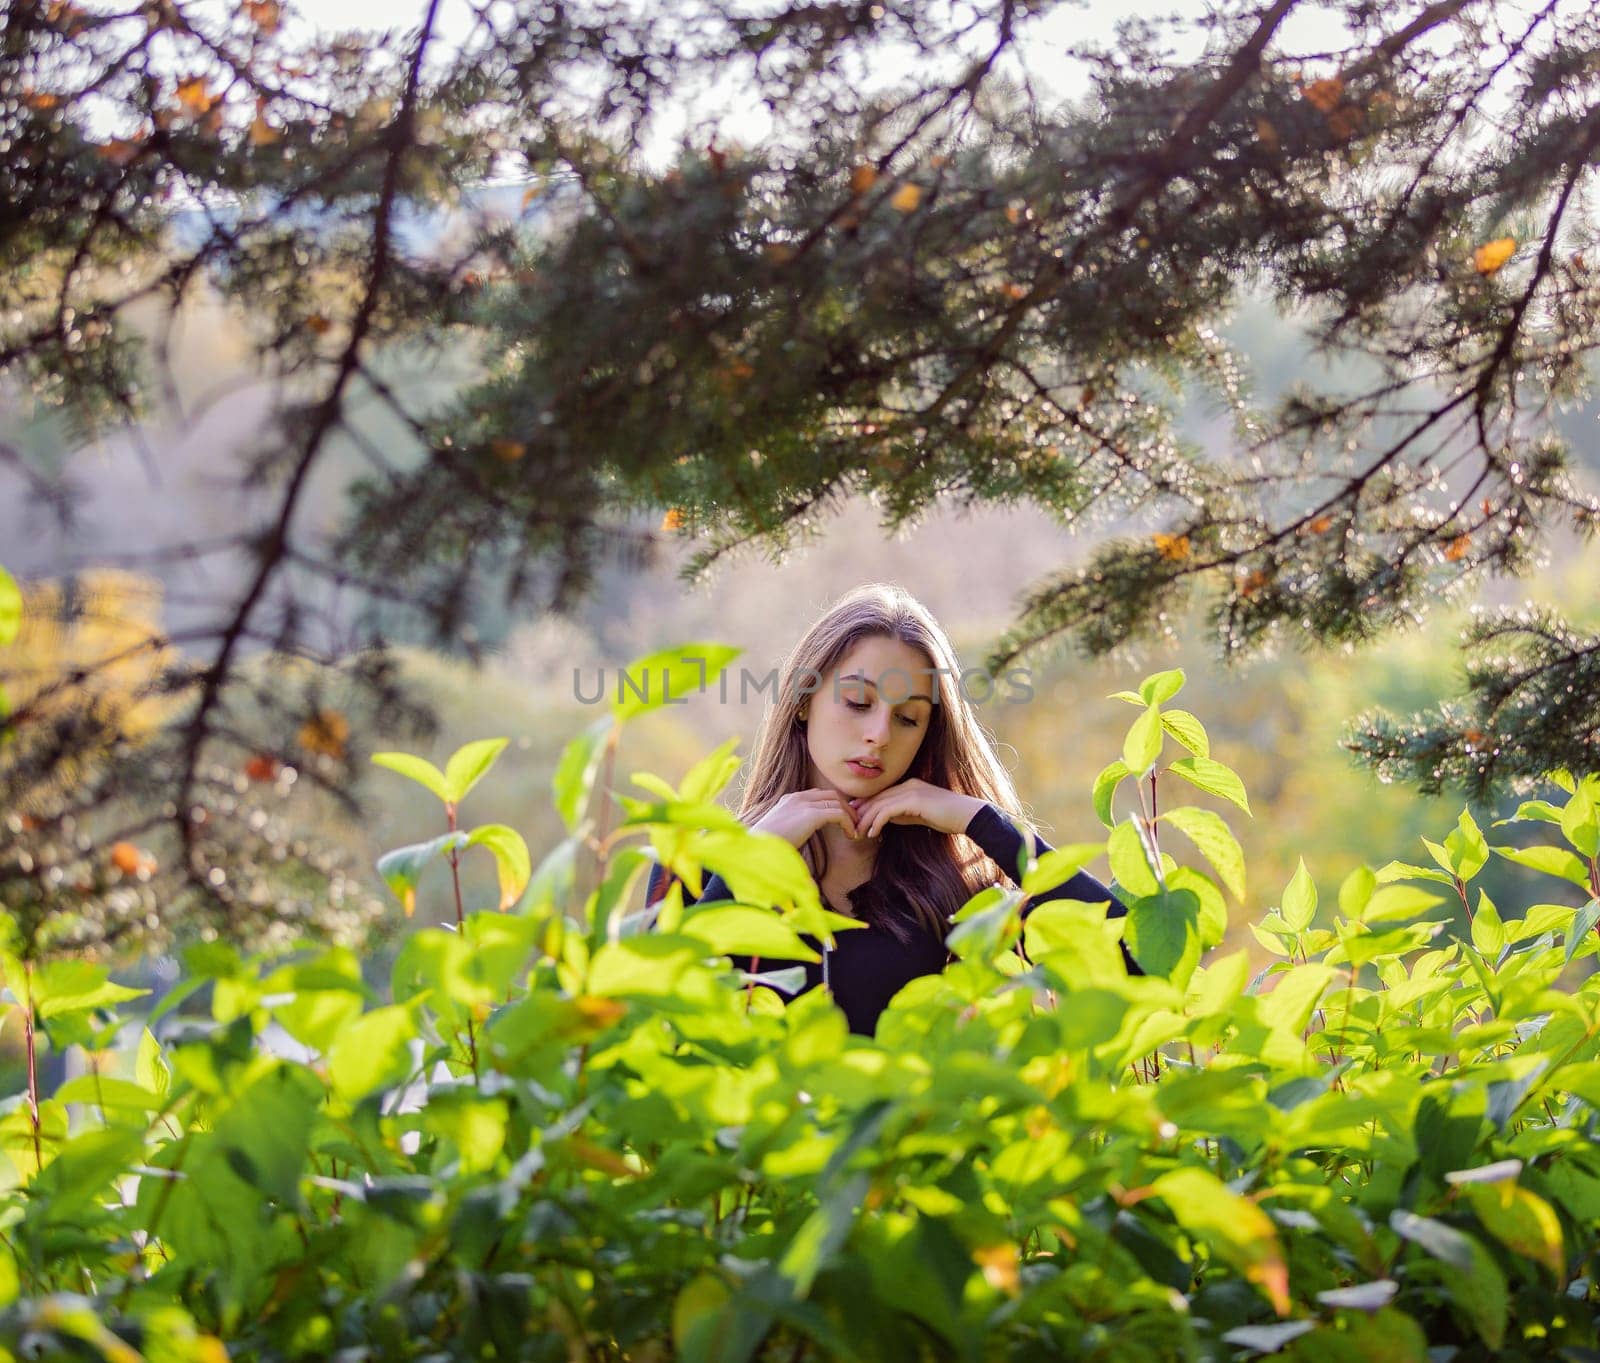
(1073, 23)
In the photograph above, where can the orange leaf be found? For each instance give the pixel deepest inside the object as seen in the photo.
(1267, 135)
(1324, 95)
(1014, 211)
(999, 1265)
(264, 14)
(318, 325)
(531, 193)
(1173, 548)
(862, 178)
(906, 198)
(1458, 548)
(325, 733)
(262, 767)
(1252, 583)
(673, 520)
(1345, 122)
(195, 96)
(262, 133)
(125, 857)
(1321, 525)
(779, 253)
(1015, 290)
(119, 150)
(507, 451)
(40, 101)
(1493, 254)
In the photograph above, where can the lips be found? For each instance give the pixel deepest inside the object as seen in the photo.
(863, 768)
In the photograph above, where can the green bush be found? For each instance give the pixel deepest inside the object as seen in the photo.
(572, 1132)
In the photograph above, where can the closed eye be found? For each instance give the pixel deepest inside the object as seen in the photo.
(909, 721)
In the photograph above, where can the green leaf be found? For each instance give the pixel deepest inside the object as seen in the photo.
(1211, 834)
(1163, 934)
(1555, 861)
(402, 867)
(417, 769)
(1130, 865)
(1541, 810)
(1355, 892)
(1058, 866)
(105, 1091)
(1188, 730)
(738, 930)
(1488, 932)
(668, 677)
(1128, 698)
(575, 772)
(71, 1183)
(469, 764)
(1142, 746)
(1234, 1228)
(760, 868)
(265, 1133)
(62, 987)
(1580, 823)
(1468, 852)
(1402, 870)
(1522, 1221)
(1213, 778)
(1393, 903)
(1583, 923)
(1479, 1287)
(1160, 687)
(1299, 899)
(150, 1068)
(10, 608)
(702, 1319)
(1105, 787)
(708, 776)
(513, 864)
(373, 1052)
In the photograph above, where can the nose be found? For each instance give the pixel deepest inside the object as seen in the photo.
(877, 726)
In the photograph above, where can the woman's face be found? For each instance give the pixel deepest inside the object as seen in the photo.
(866, 720)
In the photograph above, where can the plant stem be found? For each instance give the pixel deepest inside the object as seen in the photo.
(455, 880)
(33, 1069)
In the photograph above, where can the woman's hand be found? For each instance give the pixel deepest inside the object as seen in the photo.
(916, 802)
(800, 813)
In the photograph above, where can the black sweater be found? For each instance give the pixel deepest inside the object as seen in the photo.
(869, 965)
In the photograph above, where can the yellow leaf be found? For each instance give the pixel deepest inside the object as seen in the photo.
(1173, 548)
(1493, 254)
(325, 733)
(1458, 548)
(906, 198)
(672, 521)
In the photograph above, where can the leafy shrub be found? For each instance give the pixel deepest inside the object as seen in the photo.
(572, 1132)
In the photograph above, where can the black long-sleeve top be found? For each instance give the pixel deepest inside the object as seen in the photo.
(870, 965)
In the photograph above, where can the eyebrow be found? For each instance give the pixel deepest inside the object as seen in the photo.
(856, 676)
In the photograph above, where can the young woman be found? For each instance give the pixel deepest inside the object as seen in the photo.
(872, 762)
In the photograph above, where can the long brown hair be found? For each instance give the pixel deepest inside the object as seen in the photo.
(919, 874)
